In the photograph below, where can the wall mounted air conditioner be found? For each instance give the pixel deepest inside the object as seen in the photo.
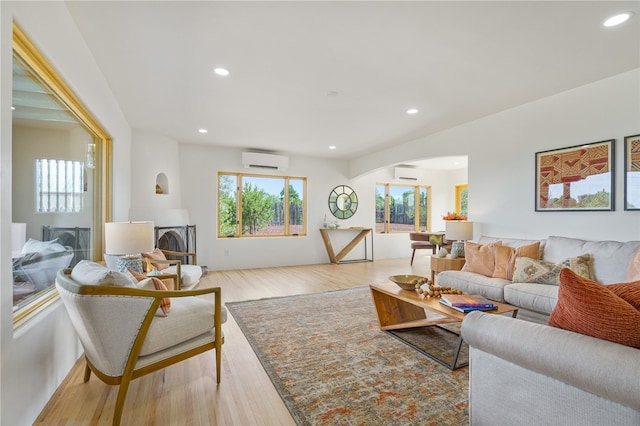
(407, 173)
(264, 161)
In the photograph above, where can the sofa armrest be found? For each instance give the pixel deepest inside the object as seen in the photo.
(600, 367)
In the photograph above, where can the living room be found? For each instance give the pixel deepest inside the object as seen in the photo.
(500, 148)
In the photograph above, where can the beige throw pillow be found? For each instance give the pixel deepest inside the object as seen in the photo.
(480, 258)
(634, 267)
(505, 258)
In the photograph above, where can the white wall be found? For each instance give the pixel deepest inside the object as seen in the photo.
(502, 147)
(36, 358)
(200, 164)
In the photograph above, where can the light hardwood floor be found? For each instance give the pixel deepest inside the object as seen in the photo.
(186, 393)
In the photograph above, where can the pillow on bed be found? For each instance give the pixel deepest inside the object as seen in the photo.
(42, 247)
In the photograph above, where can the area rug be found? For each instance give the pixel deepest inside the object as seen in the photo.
(331, 364)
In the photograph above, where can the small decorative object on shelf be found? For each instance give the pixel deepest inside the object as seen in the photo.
(453, 216)
(324, 221)
(443, 252)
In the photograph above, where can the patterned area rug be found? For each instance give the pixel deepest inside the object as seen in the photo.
(331, 364)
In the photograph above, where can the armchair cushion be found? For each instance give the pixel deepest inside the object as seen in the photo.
(88, 272)
(156, 254)
(190, 317)
(190, 274)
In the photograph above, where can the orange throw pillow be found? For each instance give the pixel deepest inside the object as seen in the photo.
(156, 254)
(587, 307)
(480, 258)
(505, 258)
(165, 303)
(628, 291)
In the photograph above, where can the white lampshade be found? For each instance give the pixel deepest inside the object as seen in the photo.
(128, 238)
(458, 230)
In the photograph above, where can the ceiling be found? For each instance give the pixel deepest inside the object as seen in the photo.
(308, 75)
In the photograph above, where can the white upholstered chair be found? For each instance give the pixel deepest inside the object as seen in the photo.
(124, 338)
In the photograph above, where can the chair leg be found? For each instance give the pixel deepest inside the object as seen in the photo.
(218, 361)
(122, 395)
(412, 254)
(87, 373)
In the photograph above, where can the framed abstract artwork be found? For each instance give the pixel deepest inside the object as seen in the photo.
(632, 172)
(577, 178)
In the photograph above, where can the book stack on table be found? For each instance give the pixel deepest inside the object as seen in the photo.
(467, 302)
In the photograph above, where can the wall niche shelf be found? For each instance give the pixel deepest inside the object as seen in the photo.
(162, 184)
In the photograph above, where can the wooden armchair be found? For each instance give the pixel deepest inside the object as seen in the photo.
(124, 339)
(428, 240)
(188, 274)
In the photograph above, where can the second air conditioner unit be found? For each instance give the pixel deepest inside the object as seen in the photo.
(407, 173)
(265, 161)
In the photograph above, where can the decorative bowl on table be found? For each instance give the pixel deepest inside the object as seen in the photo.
(408, 282)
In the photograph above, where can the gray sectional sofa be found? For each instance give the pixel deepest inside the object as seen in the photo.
(610, 260)
(532, 374)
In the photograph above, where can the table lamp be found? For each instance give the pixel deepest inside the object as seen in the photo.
(460, 231)
(129, 239)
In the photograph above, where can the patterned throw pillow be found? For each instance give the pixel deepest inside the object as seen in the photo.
(505, 258)
(587, 307)
(480, 258)
(156, 254)
(125, 263)
(165, 303)
(544, 272)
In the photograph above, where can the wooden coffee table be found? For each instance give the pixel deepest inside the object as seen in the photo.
(400, 309)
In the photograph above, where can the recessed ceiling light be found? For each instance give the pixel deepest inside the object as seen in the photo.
(221, 71)
(203, 131)
(412, 111)
(13, 108)
(617, 19)
(332, 147)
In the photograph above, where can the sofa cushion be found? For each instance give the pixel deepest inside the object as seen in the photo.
(479, 258)
(533, 297)
(633, 274)
(470, 282)
(505, 258)
(191, 274)
(529, 270)
(610, 258)
(190, 317)
(587, 307)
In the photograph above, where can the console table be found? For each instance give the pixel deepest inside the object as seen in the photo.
(361, 235)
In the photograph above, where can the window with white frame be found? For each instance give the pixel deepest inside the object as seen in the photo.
(60, 186)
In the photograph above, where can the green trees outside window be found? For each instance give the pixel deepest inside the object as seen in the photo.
(256, 205)
(398, 211)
